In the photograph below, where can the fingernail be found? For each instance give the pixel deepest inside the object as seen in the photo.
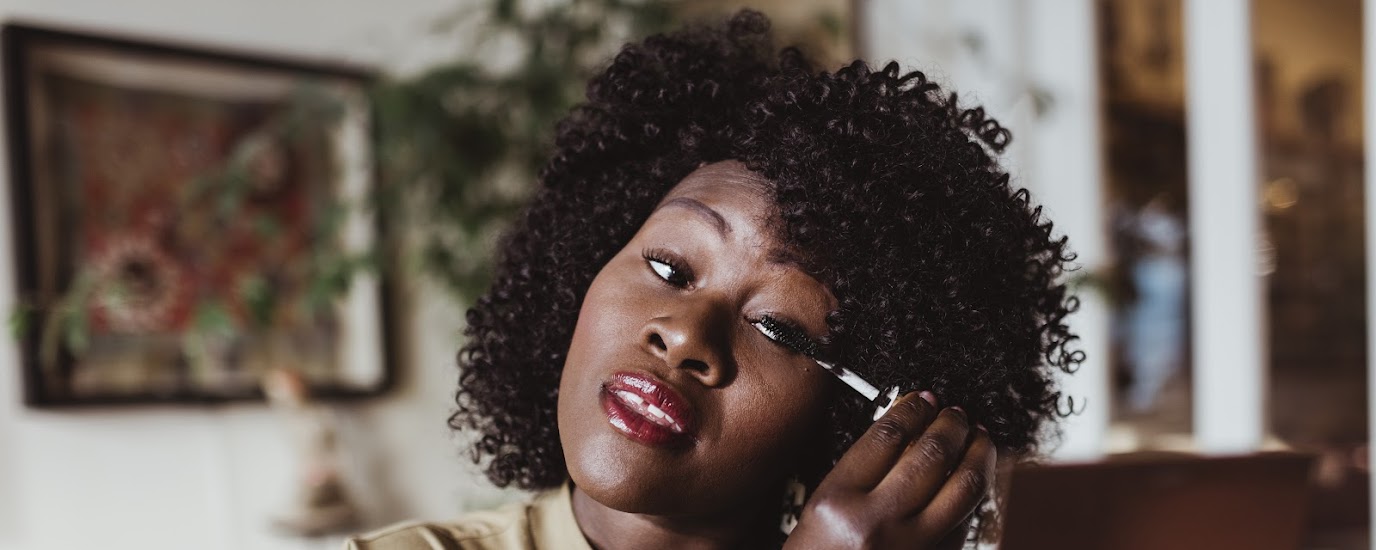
(929, 397)
(982, 428)
(959, 410)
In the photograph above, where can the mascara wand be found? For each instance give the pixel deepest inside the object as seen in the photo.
(883, 400)
(882, 403)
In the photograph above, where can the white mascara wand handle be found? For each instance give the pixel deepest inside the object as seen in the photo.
(892, 397)
(864, 387)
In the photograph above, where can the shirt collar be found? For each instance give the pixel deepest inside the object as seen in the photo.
(552, 524)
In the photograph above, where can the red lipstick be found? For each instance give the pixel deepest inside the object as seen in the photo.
(647, 410)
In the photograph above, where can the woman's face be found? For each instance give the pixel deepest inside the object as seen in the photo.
(673, 401)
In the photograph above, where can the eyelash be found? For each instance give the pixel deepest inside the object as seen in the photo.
(682, 277)
(791, 329)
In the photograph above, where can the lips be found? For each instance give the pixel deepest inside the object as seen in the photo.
(647, 410)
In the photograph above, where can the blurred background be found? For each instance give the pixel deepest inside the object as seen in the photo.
(238, 238)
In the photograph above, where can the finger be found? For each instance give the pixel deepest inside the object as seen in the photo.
(870, 458)
(965, 488)
(924, 466)
(955, 540)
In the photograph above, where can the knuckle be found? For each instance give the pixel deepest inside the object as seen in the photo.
(973, 481)
(933, 450)
(889, 431)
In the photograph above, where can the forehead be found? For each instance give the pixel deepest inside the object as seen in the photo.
(731, 189)
(740, 203)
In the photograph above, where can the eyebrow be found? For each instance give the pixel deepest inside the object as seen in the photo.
(695, 205)
(785, 257)
(777, 256)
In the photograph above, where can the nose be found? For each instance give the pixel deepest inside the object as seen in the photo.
(693, 339)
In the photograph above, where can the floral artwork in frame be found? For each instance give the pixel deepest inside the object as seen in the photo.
(186, 221)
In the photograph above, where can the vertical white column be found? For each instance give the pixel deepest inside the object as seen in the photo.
(1062, 164)
(1368, 132)
(1229, 364)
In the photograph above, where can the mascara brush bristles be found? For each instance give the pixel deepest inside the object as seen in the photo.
(791, 338)
(806, 346)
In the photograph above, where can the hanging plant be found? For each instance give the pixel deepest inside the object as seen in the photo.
(459, 146)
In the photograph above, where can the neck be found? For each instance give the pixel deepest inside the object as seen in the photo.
(609, 529)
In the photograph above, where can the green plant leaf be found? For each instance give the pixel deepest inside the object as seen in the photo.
(211, 317)
(260, 299)
(20, 318)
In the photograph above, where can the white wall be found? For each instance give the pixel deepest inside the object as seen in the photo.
(209, 477)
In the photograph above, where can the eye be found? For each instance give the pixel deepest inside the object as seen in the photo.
(665, 271)
(785, 334)
(668, 268)
(772, 334)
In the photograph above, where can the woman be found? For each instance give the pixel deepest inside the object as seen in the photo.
(621, 362)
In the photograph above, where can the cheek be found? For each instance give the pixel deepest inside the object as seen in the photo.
(582, 376)
(780, 416)
(607, 318)
(607, 313)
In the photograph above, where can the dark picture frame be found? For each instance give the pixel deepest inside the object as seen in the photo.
(100, 119)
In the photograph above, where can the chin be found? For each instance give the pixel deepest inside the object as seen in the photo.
(623, 476)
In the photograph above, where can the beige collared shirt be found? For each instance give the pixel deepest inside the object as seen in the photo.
(545, 524)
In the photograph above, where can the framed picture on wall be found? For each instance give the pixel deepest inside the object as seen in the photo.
(186, 220)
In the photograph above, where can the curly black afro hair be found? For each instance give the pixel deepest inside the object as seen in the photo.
(948, 279)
